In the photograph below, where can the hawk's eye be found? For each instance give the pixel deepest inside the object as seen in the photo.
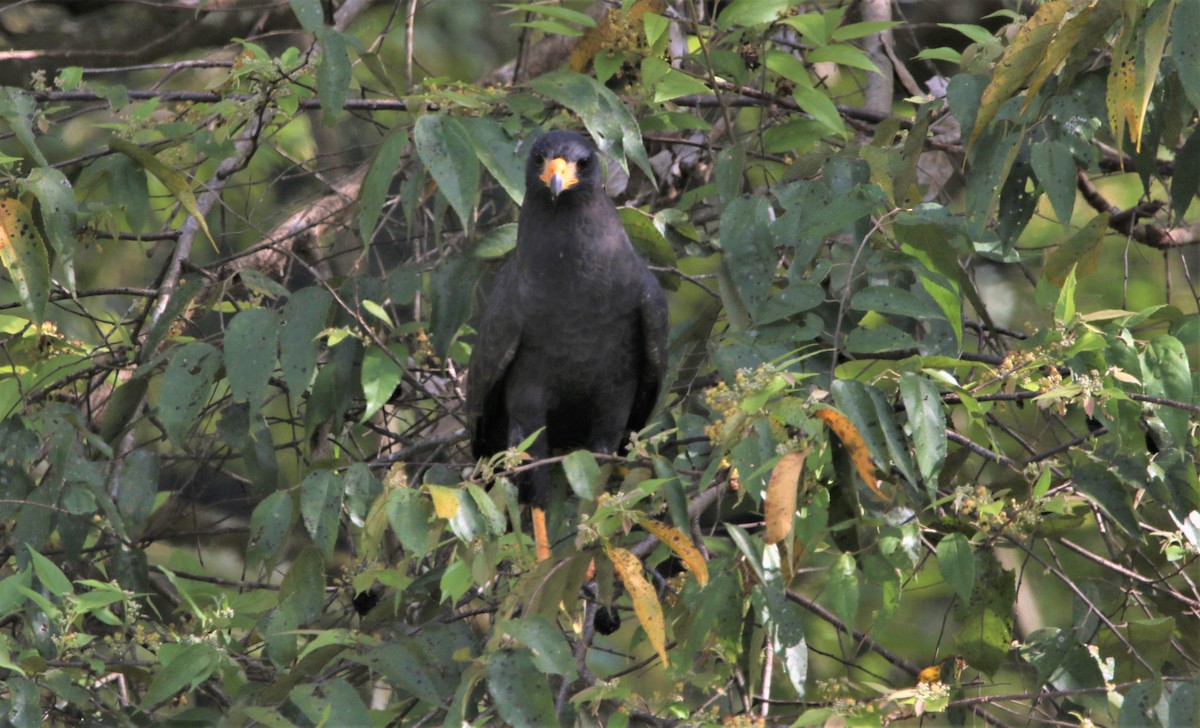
(584, 163)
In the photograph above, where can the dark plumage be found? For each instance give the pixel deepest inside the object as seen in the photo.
(573, 337)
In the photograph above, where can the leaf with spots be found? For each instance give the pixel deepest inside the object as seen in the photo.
(642, 595)
(520, 689)
(860, 454)
(927, 423)
(251, 342)
(1019, 61)
(58, 208)
(186, 387)
(321, 496)
(681, 545)
(24, 255)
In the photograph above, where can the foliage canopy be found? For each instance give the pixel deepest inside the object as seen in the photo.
(930, 450)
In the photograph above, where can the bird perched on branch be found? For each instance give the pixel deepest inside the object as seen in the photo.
(573, 337)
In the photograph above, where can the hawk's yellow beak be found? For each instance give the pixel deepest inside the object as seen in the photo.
(559, 175)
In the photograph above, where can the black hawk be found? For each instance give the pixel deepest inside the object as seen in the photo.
(573, 338)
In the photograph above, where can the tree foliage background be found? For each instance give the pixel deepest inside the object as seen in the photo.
(929, 453)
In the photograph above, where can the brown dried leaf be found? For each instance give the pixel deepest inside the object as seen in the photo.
(860, 454)
(779, 505)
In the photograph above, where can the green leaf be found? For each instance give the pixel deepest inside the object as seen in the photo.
(927, 422)
(498, 153)
(551, 653)
(321, 508)
(669, 83)
(23, 706)
(842, 54)
(1064, 307)
(1184, 703)
(1186, 183)
(520, 690)
(498, 243)
(24, 255)
(302, 591)
(405, 665)
(612, 127)
(11, 598)
(139, 485)
(821, 108)
(251, 343)
(583, 473)
(956, 559)
(852, 31)
(493, 517)
(309, 13)
(841, 592)
(409, 514)
(270, 524)
(895, 301)
(748, 249)
(378, 180)
(1054, 166)
(333, 74)
(302, 319)
(51, 577)
(175, 182)
(186, 388)
(949, 55)
(1185, 44)
(381, 374)
(986, 620)
(976, 33)
(1078, 255)
(730, 172)
(187, 667)
(647, 235)
(1167, 375)
(1106, 489)
(751, 12)
(58, 209)
(450, 288)
(19, 109)
(656, 27)
(447, 152)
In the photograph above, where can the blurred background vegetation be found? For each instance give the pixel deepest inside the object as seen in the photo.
(929, 452)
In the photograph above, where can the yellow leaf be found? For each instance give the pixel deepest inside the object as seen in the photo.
(860, 454)
(779, 505)
(1090, 22)
(445, 501)
(681, 545)
(175, 182)
(645, 601)
(1152, 46)
(23, 254)
(1019, 61)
